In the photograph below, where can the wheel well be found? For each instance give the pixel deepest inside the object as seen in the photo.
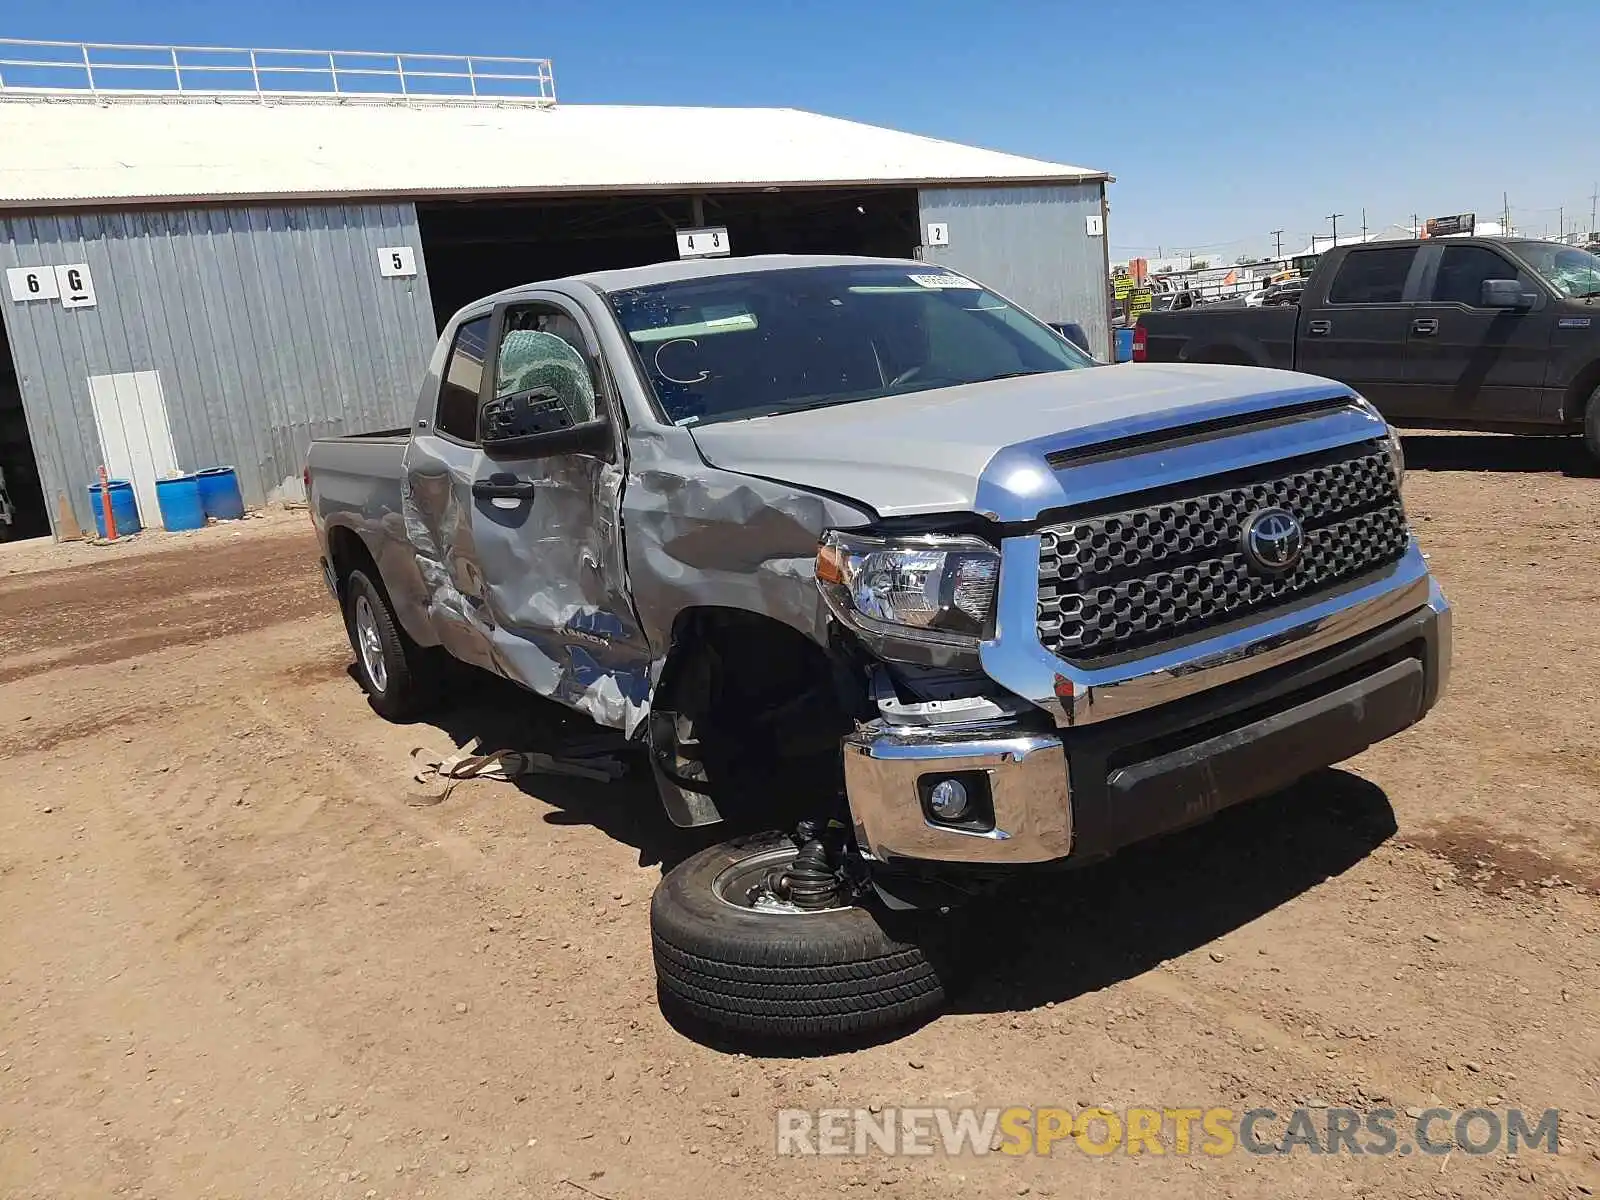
(347, 553)
(756, 704)
(1575, 405)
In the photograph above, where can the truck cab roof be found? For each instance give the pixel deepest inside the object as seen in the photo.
(678, 270)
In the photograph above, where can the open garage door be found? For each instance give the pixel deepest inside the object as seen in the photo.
(475, 247)
(22, 508)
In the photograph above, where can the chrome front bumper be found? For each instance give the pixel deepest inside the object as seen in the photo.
(1028, 772)
(1027, 776)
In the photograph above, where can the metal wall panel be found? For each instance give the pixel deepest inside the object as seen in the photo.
(269, 326)
(1032, 245)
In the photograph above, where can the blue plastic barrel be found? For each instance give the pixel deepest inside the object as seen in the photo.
(219, 493)
(1124, 345)
(179, 499)
(124, 508)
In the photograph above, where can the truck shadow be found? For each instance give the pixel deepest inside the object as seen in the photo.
(1498, 452)
(1055, 939)
(506, 717)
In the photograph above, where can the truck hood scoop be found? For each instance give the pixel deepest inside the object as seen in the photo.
(1014, 448)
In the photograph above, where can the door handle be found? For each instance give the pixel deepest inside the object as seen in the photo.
(1425, 326)
(501, 486)
(1319, 328)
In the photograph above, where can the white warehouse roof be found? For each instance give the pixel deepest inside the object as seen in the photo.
(73, 150)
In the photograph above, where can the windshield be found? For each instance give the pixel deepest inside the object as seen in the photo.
(1571, 271)
(731, 347)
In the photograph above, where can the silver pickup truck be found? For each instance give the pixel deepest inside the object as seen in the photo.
(889, 576)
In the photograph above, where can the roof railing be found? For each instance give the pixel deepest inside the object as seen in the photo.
(111, 69)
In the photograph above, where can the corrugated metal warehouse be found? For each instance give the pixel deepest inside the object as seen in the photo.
(202, 270)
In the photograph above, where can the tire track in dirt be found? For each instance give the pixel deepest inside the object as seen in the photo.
(111, 612)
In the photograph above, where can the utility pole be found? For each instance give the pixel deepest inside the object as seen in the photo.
(1416, 229)
(1594, 210)
(1277, 237)
(1561, 223)
(1363, 225)
(1334, 217)
(1505, 215)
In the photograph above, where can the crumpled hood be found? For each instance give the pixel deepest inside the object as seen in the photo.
(928, 452)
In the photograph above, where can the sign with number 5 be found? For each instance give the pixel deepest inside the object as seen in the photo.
(395, 261)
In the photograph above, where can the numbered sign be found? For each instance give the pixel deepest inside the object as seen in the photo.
(704, 243)
(76, 285)
(395, 261)
(938, 233)
(32, 283)
(1095, 224)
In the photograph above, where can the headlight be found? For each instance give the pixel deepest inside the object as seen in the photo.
(1397, 455)
(1391, 440)
(933, 589)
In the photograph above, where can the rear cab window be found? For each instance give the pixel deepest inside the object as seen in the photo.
(1376, 276)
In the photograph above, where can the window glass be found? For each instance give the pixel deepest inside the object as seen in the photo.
(543, 347)
(733, 347)
(1373, 276)
(1571, 271)
(1462, 270)
(463, 377)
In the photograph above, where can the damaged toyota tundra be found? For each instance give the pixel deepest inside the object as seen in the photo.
(889, 577)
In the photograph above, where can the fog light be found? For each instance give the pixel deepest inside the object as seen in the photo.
(948, 800)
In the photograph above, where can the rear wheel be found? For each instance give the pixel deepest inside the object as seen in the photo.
(393, 668)
(735, 953)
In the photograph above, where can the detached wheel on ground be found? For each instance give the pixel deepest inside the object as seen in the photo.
(392, 667)
(731, 955)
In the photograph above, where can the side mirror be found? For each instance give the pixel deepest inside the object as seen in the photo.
(535, 424)
(1504, 293)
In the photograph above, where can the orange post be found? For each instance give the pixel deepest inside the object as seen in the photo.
(105, 506)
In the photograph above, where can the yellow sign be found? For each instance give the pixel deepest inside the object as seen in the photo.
(1121, 286)
(1140, 301)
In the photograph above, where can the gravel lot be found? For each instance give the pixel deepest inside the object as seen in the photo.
(236, 960)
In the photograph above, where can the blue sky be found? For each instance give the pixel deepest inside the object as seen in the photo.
(1220, 120)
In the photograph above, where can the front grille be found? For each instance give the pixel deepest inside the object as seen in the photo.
(1121, 580)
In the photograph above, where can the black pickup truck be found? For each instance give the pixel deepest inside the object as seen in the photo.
(1494, 334)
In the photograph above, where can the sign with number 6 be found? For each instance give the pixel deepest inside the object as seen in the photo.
(32, 283)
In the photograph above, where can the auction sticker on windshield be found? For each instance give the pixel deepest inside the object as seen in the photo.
(945, 280)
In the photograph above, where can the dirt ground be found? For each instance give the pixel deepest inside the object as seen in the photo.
(235, 961)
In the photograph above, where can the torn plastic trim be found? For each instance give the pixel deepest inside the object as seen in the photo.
(678, 778)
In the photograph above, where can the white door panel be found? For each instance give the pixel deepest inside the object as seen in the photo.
(130, 415)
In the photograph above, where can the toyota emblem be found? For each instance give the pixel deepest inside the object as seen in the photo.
(1273, 540)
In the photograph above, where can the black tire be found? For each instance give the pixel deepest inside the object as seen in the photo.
(1591, 425)
(838, 975)
(404, 689)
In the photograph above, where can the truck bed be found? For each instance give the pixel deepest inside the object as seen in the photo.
(1262, 337)
(358, 473)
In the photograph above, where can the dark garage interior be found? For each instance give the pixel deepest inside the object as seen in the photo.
(475, 247)
(19, 472)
